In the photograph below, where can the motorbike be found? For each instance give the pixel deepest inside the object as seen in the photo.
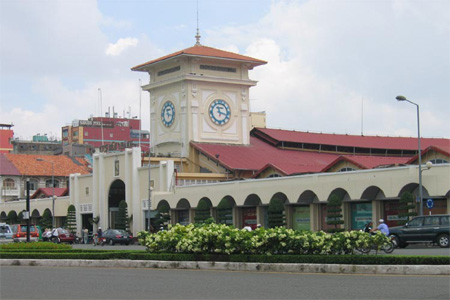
(387, 247)
(100, 241)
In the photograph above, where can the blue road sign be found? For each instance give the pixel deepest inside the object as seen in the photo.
(430, 203)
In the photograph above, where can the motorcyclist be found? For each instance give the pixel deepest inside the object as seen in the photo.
(382, 227)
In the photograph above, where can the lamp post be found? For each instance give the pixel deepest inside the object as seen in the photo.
(53, 187)
(403, 98)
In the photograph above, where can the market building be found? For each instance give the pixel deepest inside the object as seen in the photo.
(208, 149)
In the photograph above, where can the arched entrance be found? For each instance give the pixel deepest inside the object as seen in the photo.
(115, 195)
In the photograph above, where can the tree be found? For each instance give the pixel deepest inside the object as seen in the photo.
(162, 218)
(202, 212)
(407, 208)
(71, 220)
(334, 213)
(225, 212)
(46, 220)
(122, 221)
(275, 213)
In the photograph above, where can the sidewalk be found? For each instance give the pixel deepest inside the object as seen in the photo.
(233, 266)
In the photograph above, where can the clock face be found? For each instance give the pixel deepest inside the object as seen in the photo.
(219, 112)
(168, 113)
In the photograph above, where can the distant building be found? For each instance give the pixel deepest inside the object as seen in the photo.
(6, 135)
(108, 134)
(39, 145)
(42, 171)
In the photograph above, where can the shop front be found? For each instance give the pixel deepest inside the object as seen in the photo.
(301, 218)
(361, 214)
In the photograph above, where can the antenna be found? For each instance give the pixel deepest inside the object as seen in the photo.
(198, 36)
(101, 112)
(362, 115)
(140, 120)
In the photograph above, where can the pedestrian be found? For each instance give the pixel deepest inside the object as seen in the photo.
(55, 235)
(46, 235)
(85, 235)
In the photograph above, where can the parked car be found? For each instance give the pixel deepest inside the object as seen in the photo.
(117, 236)
(65, 236)
(20, 233)
(6, 234)
(423, 229)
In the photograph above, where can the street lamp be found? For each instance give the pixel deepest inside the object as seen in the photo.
(403, 98)
(53, 186)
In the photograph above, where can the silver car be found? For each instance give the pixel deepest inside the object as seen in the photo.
(6, 234)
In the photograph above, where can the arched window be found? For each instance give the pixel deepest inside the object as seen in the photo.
(9, 184)
(346, 169)
(438, 161)
(48, 183)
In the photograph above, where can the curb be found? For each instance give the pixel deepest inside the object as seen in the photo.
(236, 266)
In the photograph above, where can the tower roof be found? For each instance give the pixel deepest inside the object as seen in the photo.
(202, 51)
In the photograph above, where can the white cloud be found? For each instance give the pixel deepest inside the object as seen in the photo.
(323, 57)
(121, 45)
(327, 57)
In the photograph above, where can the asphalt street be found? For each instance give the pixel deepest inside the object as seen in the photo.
(19, 282)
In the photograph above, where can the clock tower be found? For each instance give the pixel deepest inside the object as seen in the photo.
(199, 94)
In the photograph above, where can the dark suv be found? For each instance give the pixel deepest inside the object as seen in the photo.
(424, 229)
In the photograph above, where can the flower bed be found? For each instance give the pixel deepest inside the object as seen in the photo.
(223, 239)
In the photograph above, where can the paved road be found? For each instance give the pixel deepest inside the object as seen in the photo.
(98, 283)
(417, 249)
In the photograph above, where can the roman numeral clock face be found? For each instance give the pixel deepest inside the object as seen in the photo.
(168, 114)
(219, 112)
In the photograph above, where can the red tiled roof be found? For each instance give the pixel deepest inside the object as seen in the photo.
(431, 148)
(27, 164)
(6, 167)
(369, 162)
(260, 155)
(375, 142)
(200, 50)
(49, 192)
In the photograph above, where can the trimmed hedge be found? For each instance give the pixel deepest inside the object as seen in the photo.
(310, 259)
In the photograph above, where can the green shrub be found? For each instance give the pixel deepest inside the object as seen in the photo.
(223, 239)
(36, 245)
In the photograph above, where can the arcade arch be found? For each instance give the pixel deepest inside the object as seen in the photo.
(249, 214)
(182, 212)
(203, 210)
(224, 210)
(115, 195)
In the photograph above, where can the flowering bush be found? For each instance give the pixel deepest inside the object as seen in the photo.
(223, 239)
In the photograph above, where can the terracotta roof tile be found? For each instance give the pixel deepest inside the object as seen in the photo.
(205, 51)
(48, 192)
(27, 164)
(260, 155)
(375, 142)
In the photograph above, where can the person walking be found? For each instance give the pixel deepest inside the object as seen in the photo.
(55, 235)
(85, 235)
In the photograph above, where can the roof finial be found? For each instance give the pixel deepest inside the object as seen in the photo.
(197, 37)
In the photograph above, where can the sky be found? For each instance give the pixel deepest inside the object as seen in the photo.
(333, 66)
